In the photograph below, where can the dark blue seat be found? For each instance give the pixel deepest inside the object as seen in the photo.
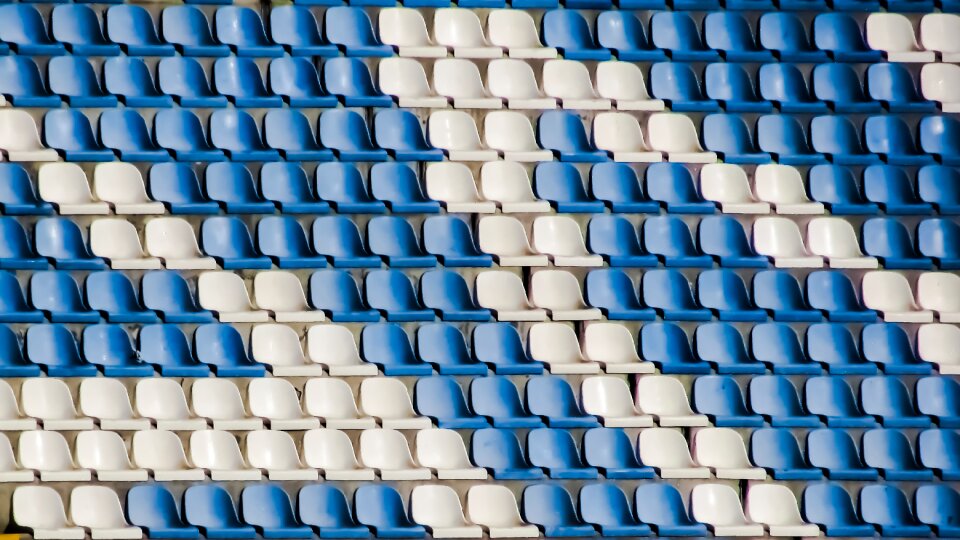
(185, 80)
(611, 451)
(498, 346)
(672, 185)
(832, 293)
(78, 27)
(777, 451)
(563, 133)
(784, 85)
(939, 507)
(720, 398)
(297, 30)
(606, 508)
(550, 508)
(289, 132)
(615, 238)
(12, 363)
(839, 85)
(236, 133)
(345, 132)
(838, 138)
(125, 132)
(721, 346)
(24, 31)
(239, 79)
(562, 185)
(17, 194)
(337, 295)
(231, 185)
(108, 347)
(723, 292)
(778, 292)
(497, 399)
(832, 346)
(61, 241)
(112, 294)
(210, 508)
(283, 240)
(938, 136)
(892, 190)
(297, 81)
(893, 85)
(499, 451)
(180, 132)
(776, 399)
(325, 508)
(889, 401)
(841, 36)
(891, 452)
(286, 185)
(777, 346)
(392, 294)
(786, 35)
(447, 293)
(939, 449)
(152, 508)
(678, 34)
(939, 185)
(886, 507)
(267, 508)
(221, 347)
(388, 346)
(784, 137)
(16, 253)
(890, 137)
(441, 398)
(668, 292)
(569, 33)
(625, 36)
(342, 185)
(450, 240)
(555, 451)
(553, 399)
(22, 85)
(54, 348)
(394, 239)
(169, 294)
(660, 505)
(677, 85)
(617, 185)
(241, 29)
(729, 136)
(723, 238)
(731, 34)
(73, 79)
(351, 81)
(69, 132)
(838, 190)
(667, 346)
(337, 238)
(228, 240)
(350, 29)
(166, 348)
(132, 28)
(443, 346)
(397, 185)
(887, 345)
(829, 506)
(400, 133)
(188, 30)
(834, 451)
(889, 240)
(177, 187)
(939, 397)
(730, 84)
(833, 401)
(614, 292)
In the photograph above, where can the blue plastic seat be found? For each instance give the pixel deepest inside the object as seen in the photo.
(498, 346)
(783, 136)
(228, 241)
(678, 34)
(112, 294)
(672, 185)
(887, 345)
(719, 397)
(939, 507)
(16, 253)
(555, 451)
(893, 85)
(394, 239)
(283, 240)
(890, 137)
(892, 190)
(667, 346)
(350, 29)
(337, 295)
(563, 133)
(723, 238)
(286, 185)
(499, 451)
(450, 240)
(889, 240)
(447, 293)
(889, 400)
(22, 85)
(778, 292)
(832, 292)
(392, 293)
(731, 34)
(342, 185)
(180, 132)
(786, 36)
(839, 86)
(668, 292)
(834, 451)
(562, 185)
(939, 397)
(777, 451)
(777, 346)
(497, 399)
(61, 241)
(152, 508)
(289, 132)
(724, 292)
(239, 79)
(169, 294)
(397, 185)
(17, 194)
(833, 401)
(188, 30)
(12, 363)
(78, 27)
(829, 506)
(730, 84)
(841, 36)
(69, 132)
(838, 190)
(387, 346)
(886, 507)
(176, 185)
(337, 238)
(784, 85)
(297, 30)
(721, 346)
(72, 78)
(614, 292)
(210, 508)
(297, 81)
(166, 348)
(241, 29)
(677, 84)
(236, 133)
(443, 346)
(938, 136)
(606, 508)
(838, 138)
(891, 452)
(132, 27)
(776, 399)
(441, 398)
(24, 31)
(550, 508)
(325, 508)
(109, 347)
(729, 136)
(615, 238)
(939, 449)
(125, 132)
(345, 131)
(568, 32)
(617, 185)
(351, 81)
(400, 132)
(832, 346)
(232, 186)
(185, 80)
(267, 508)
(553, 399)
(939, 185)
(624, 35)
(611, 451)
(221, 347)
(660, 505)
(54, 348)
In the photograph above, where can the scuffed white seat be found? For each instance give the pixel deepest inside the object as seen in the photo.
(282, 294)
(938, 33)
(724, 452)
(49, 400)
(438, 509)
(332, 452)
(387, 451)
(940, 344)
(558, 292)
(513, 81)
(405, 29)
(174, 241)
(508, 184)
(443, 451)
(278, 346)
(665, 398)
(121, 185)
(48, 453)
(515, 31)
(675, 135)
(560, 238)
(107, 400)
(460, 81)
(666, 451)
(783, 187)
(404, 79)
(332, 400)
(493, 507)
(163, 401)
(225, 294)
(334, 346)
(511, 134)
(505, 238)
(556, 345)
(97, 509)
(461, 32)
(609, 398)
(105, 453)
(11, 418)
(456, 134)
(619, 134)
(218, 453)
(40, 509)
(118, 241)
(718, 505)
(569, 81)
(727, 185)
(219, 401)
(612, 346)
(276, 400)
(889, 293)
(161, 452)
(779, 238)
(775, 506)
(835, 240)
(388, 401)
(622, 83)
(893, 34)
(504, 294)
(276, 453)
(65, 186)
(20, 138)
(940, 292)
(453, 185)
(939, 82)
(10, 470)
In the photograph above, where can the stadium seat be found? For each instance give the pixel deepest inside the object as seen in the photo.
(666, 451)
(555, 451)
(776, 399)
(666, 400)
(187, 29)
(495, 508)
(23, 85)
(51, 523)
(563, 133)
(672, 185)
(777, 451)
(349, 79)
(345, 132)
(398, 186)
(896, 303)
(720, 398)
(839, 85)
(73, 79)
(829, 505)
(109, 347)
(724, 239)
(167, 349)
(513, 82)
(17, 194)
(388, 346)
(835, 240)
(833, 401)
(392, 294)
(723, 292)
(937, 451)
(58, 296)
(15, 365)
(153, 509)
(784, 85)
(296, 80)
(721, 346)
(69, 132)
(442, 399)
(443, 451)
(841, 36)
(887, 508)
(718, 506)
(785, 35)
(406, 30)
(267, 508)
(834, 451)
(615, 294)
(724, 452)
(893, 34)
(461, 32)
(551, 509)
(892, 453)
(387, 452)
(835, 187)
(180, 132)
(211, 509)
(221, 347)
(893, 85)
(14, 303)
(444, 347)
(170, 295)
(669, 293)
(776, 507)
(935, 507)
(393, 239)
(612, 452)
(504, 294)
(324, 507)
(661, 506)
(332, 399)
(610, 399)
(447, 293)
(499, 451)
(132, 28)
(438, 509)
(239, 79)
(667, 346)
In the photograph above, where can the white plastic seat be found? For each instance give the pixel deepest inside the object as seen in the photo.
(835, 240)
(503, 292)
(460, 80)
(225, 294)
(665, 398)
(508, 184)
(10, 470)
(332, 400)
(556, 345)
(783, 187)
(890, 294)
(334, 346)
(219, 401)
(940, 344)
(40, 509)
(48, 453)
(940, 292)
(161, 452)
(276, 453)
(939, 82)
(332, 452)
(505, 238)
(388, 401)
(569, 81)
(105, 453)
(515, 31)
(560, 238)
(453, 185)
(163, 401)
(511, 134)
(173, 240)
(276, 400)
(461, 32)
(666, 450)
(612, 346)
(438, 509)
(724, 452)
(675, 135)
(20, 138)
(281, 293)
(893, 34)
(456, 133)
(121, 185)
(779, 238)
(609, 398)
(514, 81)
(387, 451)
(494, 507)
(727, 185)
(405, 79)
(775, 506)
(443, 451)
(49, 400)
(278, 346)
(65, 185)
(938, 33)
(118, 241)
(619, 134)
(11, 418)
(108, 401)
(405, 29)
(622, 83)
(718, 505)
(218, 453)
(97, 508)
(558, 292)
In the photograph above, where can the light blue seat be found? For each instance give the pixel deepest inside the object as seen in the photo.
(834, 451)
(838, 138)
(381, 508)
(938, 136)
(345, 132)
(180, 132)
(239, 79)
(228, 240)
(939, 397)
(668, 347)
(450, 240)
(562, 185)
(612, 452)
(168, 294)
(62, 242)
(297, 81)
(392, 294)
(939, 450)
(289, 132)
(723, 238)
(72, 78)
(672, 185)
(497, 399)
(555, 451)
(16, 252)
(108, 347)
(729, 136)
(887, 345)
(499, 451)
(939, 507)
(829, 506)
(833, 401)
(891, 452)
(12, 363)
(563, 133)
(786, 35)
(660, 505)
(777, 451)
(54, 348)
(283, 239)
(776, 399)
(893, 190)
(668, 292)
(112, 294)
(397, 185)
(731, 34)
(730, 84)
(441, 398)
(23, 30)
(350, 29)
(267, 508)
(606, 508)
(177, 187)
(778, 292)
(337, 295)
(553, 399)
(617, 185)
(211, 509)
(723, 292)
(125, 132)
(13, 304)
(889, 240)
(231, 185)
(832, 346)
(677, 84)
(893, 85)
(400, 133)
(939, 185)
(22, 85)
(166, 348)
(78, 27)
(889, 400)
(719, 397)
(447, 293)
(614, 292)
(569, 33)
(838, 190)
(777, 346)
(221, 347)
(784, 138)
(184, 79)
(841, 36)
(337, 238)
(886, 508)
(622, 33)
(236, 133)
(721, 346)
(498, 346)
(287, 186)
(839, 85)
(343, 186)
(615, 238)
(152, 508)
(132, 27)
(69, 132)
(186, 28)
(394, 239)
(351, 81)
(325, 508)
(297, 30)
(784, 85)
(832, 292)
(241, 29)
(443, 346)
(549, 507)
(678, 34)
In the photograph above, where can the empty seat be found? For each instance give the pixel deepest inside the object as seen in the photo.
(211, 509)
(786, 35)
(65, 186)
(893, 34)
(780, 239)
(718, 506)
(296, 29)
(666, 451)
(834, 451)
(504, 294)
(841, 36)
(21, 139)
(612, 452)
(181, 133)
(162, 400)
(678, 34)
(784, 137)
(133, 29)
(54, 348)
(276, 400)
(109, 348)
(345, 132)
(610, 399)
(75, 81)
(332, 452)
(675, 136)
(406, 31)
(776, 399)
(459, 80)
(839, 85)
(350, 29)
(225, 294)
(393, 239)
(51, 521)
(275, 453)
(775, 506)
(443, 451)
(281, 293)
(386, 451)
(47, 453)
(240, 80)
(508, 185)
(324, 506)
(459, 30)
(296, 79)
(829, 506)
(397, 185)
(228, 240)
(553, 399)
(497, 399)
(516, 32)
(667, 346)
(439, 510)
(514, 82)
(442, 399)
(388, 400)
(784, 85)
(221, 346)
(890, 294)
(777, 451)
(219, 452)
(551, 509)
(784, 189)
(451, 240)
(185, 80)
(669, 293)
(833, 401)
(381, 509)
(725, 453)
(723, 238)
(720, 398)
(935, 137)
(892, 453)
(727, 185)
(835, 240)
(661, 506)
(242, 29)
(333, 400)
(161, 452)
